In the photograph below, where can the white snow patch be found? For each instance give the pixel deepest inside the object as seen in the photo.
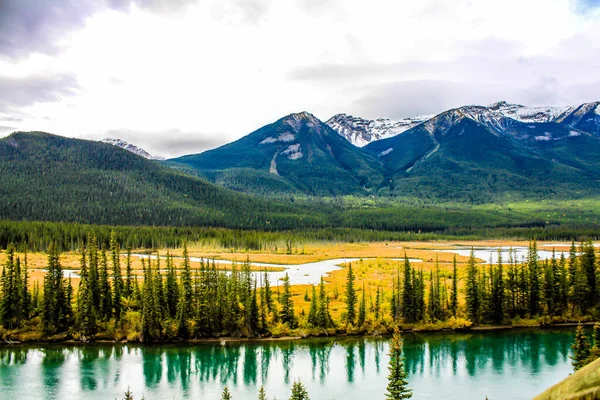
(574, 133)
(293, 152)
(284, 137)
(547, 136)
(597, 109)
(386, 152)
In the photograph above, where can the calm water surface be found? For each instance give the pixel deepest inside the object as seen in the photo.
(503, 365)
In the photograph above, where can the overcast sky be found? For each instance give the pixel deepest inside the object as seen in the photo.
(181, 76)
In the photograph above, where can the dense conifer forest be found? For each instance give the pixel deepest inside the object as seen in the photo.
(175, 302)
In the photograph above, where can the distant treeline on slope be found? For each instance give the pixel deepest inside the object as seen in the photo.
(37, 236)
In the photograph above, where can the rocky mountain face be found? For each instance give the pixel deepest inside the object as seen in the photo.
(360, 131)
(131, 148)
(296, 154)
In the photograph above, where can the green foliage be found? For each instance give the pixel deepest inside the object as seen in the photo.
(56, 306)
(287, 314)
(581, 349)
(350, 297)
(299, 391)
(226, 395)
(397, 379)
(472, 290)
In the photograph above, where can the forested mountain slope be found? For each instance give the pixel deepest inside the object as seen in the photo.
(296, 154)
(53, 178)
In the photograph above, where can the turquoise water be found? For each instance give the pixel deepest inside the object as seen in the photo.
(516, 364)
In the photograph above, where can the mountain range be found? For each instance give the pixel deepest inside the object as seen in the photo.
(470, 154)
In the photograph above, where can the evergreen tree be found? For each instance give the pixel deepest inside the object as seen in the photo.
(472, 290)
(287, 314)
(377, 308)
(56, 306)
(497, 295)
(409, 307)
(128, 289)
(26, 305)
(589, 266)
(184, 310)
(397, 387)
(172, 289)
(118, 286)
(454, 292)
(85, 307)
(350, 297)
(226, 395)
(563, 284)
(11, 291)
(151, 319)
(581, 349)
(313, 310)
(299, 391)
(105, 305)
(262, 394)
(324, 319)
(362, 310)
(534, 279)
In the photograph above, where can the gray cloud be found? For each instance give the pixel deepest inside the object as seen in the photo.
(171, 142)
(34, 25)
(411, 98)
(10, 118)
(26, 91)
(5, 129)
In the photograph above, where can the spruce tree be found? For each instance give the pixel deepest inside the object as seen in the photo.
(497, 295)
(128, 289)
(377, 308)
(26, 295)
(262, 394)
(56, 308)
(85, 307)
(312, 313)
(362, 309)
(299, 391)
(350, 297)
(397, 387)
(454, 292)
(118, 289)
(581, 349)
(184, 310)
(534, 280)
(588, 266)
(105, 305)
(472, 290)
(408, 294)
(226, 395)
(324, 319)
(172, 289)
(287, 314)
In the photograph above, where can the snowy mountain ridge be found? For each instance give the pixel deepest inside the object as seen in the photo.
(130, 147)
(498, 116)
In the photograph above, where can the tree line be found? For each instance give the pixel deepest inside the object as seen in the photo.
(169, 302)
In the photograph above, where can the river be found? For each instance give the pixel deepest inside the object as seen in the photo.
(512, 364)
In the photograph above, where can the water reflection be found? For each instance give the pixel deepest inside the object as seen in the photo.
(340, 368)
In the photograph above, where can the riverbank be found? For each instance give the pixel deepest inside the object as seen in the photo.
(37, 338)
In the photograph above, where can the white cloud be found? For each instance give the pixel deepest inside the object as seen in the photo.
(229, 67)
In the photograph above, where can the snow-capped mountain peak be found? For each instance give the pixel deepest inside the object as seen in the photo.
(528, 114)
(360, 131)
(131, 148)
